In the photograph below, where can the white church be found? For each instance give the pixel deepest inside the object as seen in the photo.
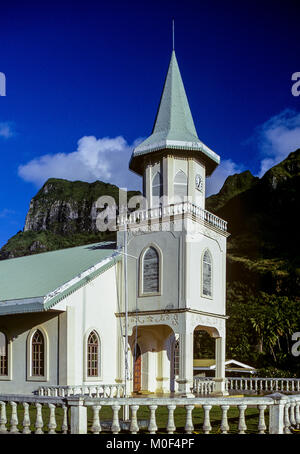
(66, 316)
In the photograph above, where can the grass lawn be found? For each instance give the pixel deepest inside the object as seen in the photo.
(251, 417)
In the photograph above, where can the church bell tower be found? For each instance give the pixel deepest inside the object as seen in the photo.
(175, 252)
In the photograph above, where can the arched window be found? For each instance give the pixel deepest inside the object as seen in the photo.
(176, 357)
(156, 189)
(38, 354)
(180, 186)
(207, 274)
(151, 271)
(93, 355)
(3, 355)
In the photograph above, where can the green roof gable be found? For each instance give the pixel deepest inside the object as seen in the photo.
(41, 278)
(174, 126)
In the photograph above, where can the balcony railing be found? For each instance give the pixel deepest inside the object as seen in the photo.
(168, 211)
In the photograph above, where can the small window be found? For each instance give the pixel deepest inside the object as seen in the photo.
(180, 186)
(156, 190)
(151, 271)
(93, 351)
(38, 354)
(3, 355)
(207, 274)
(176, 357)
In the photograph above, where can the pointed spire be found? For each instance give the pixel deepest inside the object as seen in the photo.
(174, 117)
(174, 126)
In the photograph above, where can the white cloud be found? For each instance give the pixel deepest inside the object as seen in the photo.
(6, 130)
(104, 159)
(216, 181)
(6, 212)
(278, 137)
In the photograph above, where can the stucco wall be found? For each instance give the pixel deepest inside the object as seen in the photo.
(91, 307)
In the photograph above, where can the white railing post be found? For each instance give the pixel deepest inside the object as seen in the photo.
(276, 413)
(78, 415)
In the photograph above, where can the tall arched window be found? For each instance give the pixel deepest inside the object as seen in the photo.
(207, 274)
(93, 355)
(180, 186)
(3, 355)
(176, 357)
(151, 271)
(156, 189)
(38, 354)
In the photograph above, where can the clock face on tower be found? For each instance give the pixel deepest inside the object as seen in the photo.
(199, 182)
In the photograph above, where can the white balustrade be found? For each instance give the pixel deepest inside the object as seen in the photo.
(282, 413)
(206, 385)
(177, 209)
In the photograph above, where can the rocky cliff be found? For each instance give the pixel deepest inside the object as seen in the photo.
(62, 214)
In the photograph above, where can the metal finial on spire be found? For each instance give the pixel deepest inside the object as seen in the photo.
(173, 34)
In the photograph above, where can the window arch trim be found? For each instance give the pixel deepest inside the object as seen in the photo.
(210, 296)
(141, 271)
(8, 375)
(30, 375)
(87, 377)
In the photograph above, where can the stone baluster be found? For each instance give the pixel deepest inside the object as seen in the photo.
(134, 427)
(64, 426)
(26, 419)
(96, 426)
(242, 423)
(276, 385)
(52, 421)
(189, 419)
(39, 419)
(297, 414)
(224, 423)
(287, 423)
(293, 385)
(246, 384)
(171, 424)
(292, 413)
(118, 393)
(206, 423)
(3, 419)
(14, 418)
(255, 385)
(261, 423)
(115, 427)
(152, 427)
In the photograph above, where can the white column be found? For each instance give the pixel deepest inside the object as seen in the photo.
(186, 354)
(220, 367)
(165, 371)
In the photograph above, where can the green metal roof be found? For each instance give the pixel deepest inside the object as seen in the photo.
(174, 126)
(37, 282)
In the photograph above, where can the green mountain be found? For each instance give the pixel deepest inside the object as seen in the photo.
(263, 269)
(261, 214)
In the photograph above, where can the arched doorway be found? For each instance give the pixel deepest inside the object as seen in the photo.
(137, 369)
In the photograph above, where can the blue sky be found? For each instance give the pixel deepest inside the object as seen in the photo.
(83, 82)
